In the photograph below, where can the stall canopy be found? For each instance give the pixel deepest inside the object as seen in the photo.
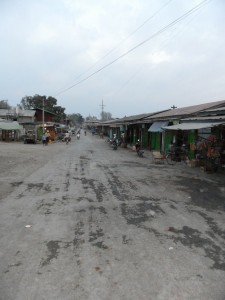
(192, 126)
(157, 126)
(10, 126)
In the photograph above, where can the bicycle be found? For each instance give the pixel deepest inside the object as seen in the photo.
(179, 154)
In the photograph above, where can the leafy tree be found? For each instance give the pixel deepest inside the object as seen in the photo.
(91, 118)
(4, 104)
(60, 112)
(36, 101)
(50, 104)
(75, 119)
(105, 116)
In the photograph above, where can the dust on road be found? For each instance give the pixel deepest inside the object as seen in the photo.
(107, 224)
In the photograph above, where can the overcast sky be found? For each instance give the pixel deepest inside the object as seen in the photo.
(83, 52)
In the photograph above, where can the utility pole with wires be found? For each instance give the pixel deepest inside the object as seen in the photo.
(43, 116)
(102, 106)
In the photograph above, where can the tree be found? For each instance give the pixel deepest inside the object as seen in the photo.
(105, 116)
(36, 101)
(50, 104)
(60, 112)
(91, 118)
(4, 104)
(75, 119)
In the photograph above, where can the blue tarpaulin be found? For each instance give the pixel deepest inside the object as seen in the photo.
(157, 126)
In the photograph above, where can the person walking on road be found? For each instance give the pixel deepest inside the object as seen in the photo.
(43, 139)
(47, 137)
(67, 137)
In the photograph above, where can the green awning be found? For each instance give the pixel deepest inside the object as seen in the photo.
(10, 126)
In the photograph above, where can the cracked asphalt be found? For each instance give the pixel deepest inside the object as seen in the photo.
(82, 221)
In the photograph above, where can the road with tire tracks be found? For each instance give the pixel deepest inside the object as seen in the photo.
(93, 223)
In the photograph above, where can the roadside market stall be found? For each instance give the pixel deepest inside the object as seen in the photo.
(206, 143)
(10, 131)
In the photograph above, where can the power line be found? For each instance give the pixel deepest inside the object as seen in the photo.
(144, 64)
(185, 15)
(122, 41)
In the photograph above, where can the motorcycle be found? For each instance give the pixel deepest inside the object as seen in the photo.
(140, 152)
(113, 143)
(78, 136)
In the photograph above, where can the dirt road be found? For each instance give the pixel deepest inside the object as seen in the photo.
(82, 221)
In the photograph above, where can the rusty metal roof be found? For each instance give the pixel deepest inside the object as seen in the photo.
(204, 118)
(131, 119)
(186, 111)
(169, 114)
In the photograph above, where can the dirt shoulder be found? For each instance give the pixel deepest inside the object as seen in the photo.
(18, 161)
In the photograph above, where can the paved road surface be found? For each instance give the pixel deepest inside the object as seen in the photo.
(109, 225)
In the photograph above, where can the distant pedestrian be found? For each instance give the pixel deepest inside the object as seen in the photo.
(47, 137)
(138, 146)
(67, 137)
(43, 139)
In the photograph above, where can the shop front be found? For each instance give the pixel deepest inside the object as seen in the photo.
(157, 135)
(205, 143)
(10, 131)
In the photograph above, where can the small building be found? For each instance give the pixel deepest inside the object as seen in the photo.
(10, 131)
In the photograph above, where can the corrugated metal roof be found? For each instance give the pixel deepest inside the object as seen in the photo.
(216, 110)
(185, 111)
(127, 119)
(12, 112)
(130, 119)
(10, 126)
(206, 118)
(6, 112)
(26, 113)
(135, 117)
(193, 125)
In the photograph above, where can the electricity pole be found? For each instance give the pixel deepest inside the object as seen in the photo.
(102, 106)
(43, 116)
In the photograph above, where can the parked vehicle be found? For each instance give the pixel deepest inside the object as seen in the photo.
(113, 143)
(177, 154)
(30, 137)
